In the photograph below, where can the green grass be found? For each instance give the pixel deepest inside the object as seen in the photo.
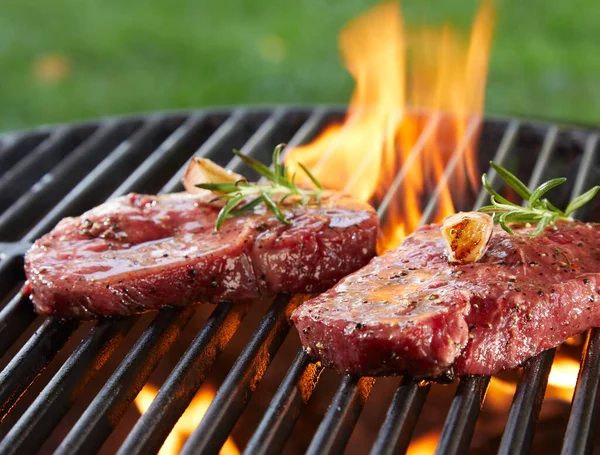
(130, 56)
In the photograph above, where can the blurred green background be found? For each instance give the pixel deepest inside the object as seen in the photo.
(64, 60)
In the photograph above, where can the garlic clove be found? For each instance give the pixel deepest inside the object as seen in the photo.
(202, 170)
(467, 236)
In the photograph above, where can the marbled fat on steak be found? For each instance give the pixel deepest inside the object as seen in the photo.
(410, 311)
(139, 252)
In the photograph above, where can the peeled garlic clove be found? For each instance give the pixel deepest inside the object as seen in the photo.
(467, 235)
(202, 170)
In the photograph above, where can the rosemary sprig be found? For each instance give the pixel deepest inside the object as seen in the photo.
(538, 210)
(243, 196)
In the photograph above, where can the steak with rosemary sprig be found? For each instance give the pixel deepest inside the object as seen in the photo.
(140, 252)
(412, 312)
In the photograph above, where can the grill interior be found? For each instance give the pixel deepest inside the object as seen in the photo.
(66, 386)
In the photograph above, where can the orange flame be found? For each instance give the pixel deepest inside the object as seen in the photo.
(442, 78)
(188, 421)
(424, 445)
(563, 378)
(500, 394)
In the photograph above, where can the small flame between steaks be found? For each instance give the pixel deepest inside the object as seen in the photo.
(467, 236)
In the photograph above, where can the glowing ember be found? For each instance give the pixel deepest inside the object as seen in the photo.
(188, 421)
(444, 81)
(563, 377)
(424, 445)
(499, 395)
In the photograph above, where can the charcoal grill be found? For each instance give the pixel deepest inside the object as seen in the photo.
(49, 173)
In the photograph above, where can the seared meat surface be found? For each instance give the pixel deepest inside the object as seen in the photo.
(410, 311)
(139, 252)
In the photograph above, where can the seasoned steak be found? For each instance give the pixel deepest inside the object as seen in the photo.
(140, 252)
(410, 311)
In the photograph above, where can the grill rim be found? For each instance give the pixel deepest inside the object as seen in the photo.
(10, 135)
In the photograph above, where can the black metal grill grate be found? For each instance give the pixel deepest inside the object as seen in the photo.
(56, 172)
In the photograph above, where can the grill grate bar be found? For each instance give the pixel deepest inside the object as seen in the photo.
(44, 414)
(527, 401)
(544, 156)
(260, 138)
(32, 167)
(341, 417)
(584, 167)
(222, 134)
(59, 180)
(425, 218)
(579, 437)
(161, 319)
(462, 416)
(13, 249)
(226, 130)
(18, 148)
(18, 316)
(401, 418)
(178, 140)
(526, 405)
(48, 334)
(312, 127)
(179, 388)
(463, 422)
(11, 275)
(309, 128)
(29, 362)
(508, 139)
(460, 150)
(407, 165)
(15, 317)
(245, 375)
(285, 407)
(470, 394)
(393, 429)
(98, 182)
(109, 405)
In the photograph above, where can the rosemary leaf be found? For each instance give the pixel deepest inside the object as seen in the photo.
(552, 208)
(273, 207)
(512, 180)
(284, 198)
(277, 171)
(279, 188)
(502, 221)
(489, 189)
(543, 189)
(488, 208)
(227, 208)
(218, 187)
(246, 207)
(519, 217)
(504, 207)
(582, 199)
(543, 223)
(310, 176)
(256, 165)
(539, 211)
